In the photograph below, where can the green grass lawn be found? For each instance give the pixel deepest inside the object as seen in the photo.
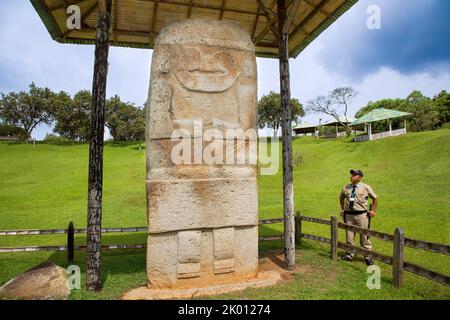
(45, 187)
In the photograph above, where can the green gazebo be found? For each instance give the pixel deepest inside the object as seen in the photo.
(379, 115)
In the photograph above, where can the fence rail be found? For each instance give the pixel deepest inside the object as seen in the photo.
(398, 239)
(271, 221)
(34, 232)
(315, 238)
(374, 255)
(70, 231)
(368, 232)
(315, 220)
(428, 246)
(426, 273)
(65, 248)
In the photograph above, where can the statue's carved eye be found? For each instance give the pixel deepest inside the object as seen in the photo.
(225, 57)
(185, 55)
(190, 54)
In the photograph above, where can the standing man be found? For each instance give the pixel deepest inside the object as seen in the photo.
(354, 203)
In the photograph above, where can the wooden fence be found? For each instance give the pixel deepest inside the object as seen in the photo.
(399, 243)
(396, 260)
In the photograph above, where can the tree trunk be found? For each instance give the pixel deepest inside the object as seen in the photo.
(286, 125)
(95, 183)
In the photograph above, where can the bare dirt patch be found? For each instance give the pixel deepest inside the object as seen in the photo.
(274, 261)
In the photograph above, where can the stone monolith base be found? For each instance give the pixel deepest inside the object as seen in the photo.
(263, 279)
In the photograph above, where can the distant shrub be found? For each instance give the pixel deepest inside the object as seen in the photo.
(54, 139)
(446, 126)
(13, 131)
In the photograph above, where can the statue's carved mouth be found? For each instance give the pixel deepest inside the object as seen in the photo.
(199, 72)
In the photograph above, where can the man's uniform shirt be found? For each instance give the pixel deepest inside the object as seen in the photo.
(361, 195)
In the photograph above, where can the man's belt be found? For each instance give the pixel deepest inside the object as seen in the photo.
(355, 213)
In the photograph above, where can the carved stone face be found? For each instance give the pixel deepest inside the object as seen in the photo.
(205, 69)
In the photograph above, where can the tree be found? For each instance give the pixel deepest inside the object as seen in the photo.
(442, 102)
(28, 109)
(124, 120)
(425, 113)
(339, 98)
(393, 104)
(269, 111)
(73, 116)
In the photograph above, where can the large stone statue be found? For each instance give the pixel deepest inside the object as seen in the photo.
(202, 214)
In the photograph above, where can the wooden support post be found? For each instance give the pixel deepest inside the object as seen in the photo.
(286, 125)
(298, 228)
(95, 182)
(334, 237)
(70, 243)
(397, 263)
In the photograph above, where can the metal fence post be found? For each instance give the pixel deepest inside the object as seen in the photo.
(334, 237)
(397, 263)
(298, 228)
(70, 243)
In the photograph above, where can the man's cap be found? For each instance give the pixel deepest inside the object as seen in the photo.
(357, 172)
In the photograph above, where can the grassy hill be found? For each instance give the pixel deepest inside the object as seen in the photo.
(45, 187)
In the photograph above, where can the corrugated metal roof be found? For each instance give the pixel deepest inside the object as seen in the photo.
(303, 125)
(342, 119)
(380, 114)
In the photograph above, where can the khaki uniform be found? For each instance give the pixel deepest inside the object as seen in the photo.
(352, 217)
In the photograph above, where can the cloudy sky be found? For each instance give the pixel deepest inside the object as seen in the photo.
(410, 52)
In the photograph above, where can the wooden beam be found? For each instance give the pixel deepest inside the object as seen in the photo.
(310, 16)
(286, 126)
(291, 15)
(270, 17)
(222, 10)
(65, 4)
(88, 13)
(97, 129)
(267, 28)
(312, 5)
(154, 16)
(52, 17)
(255, 25)
(116, 19)
(204, 6)
(189, 9)
(120, 32)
